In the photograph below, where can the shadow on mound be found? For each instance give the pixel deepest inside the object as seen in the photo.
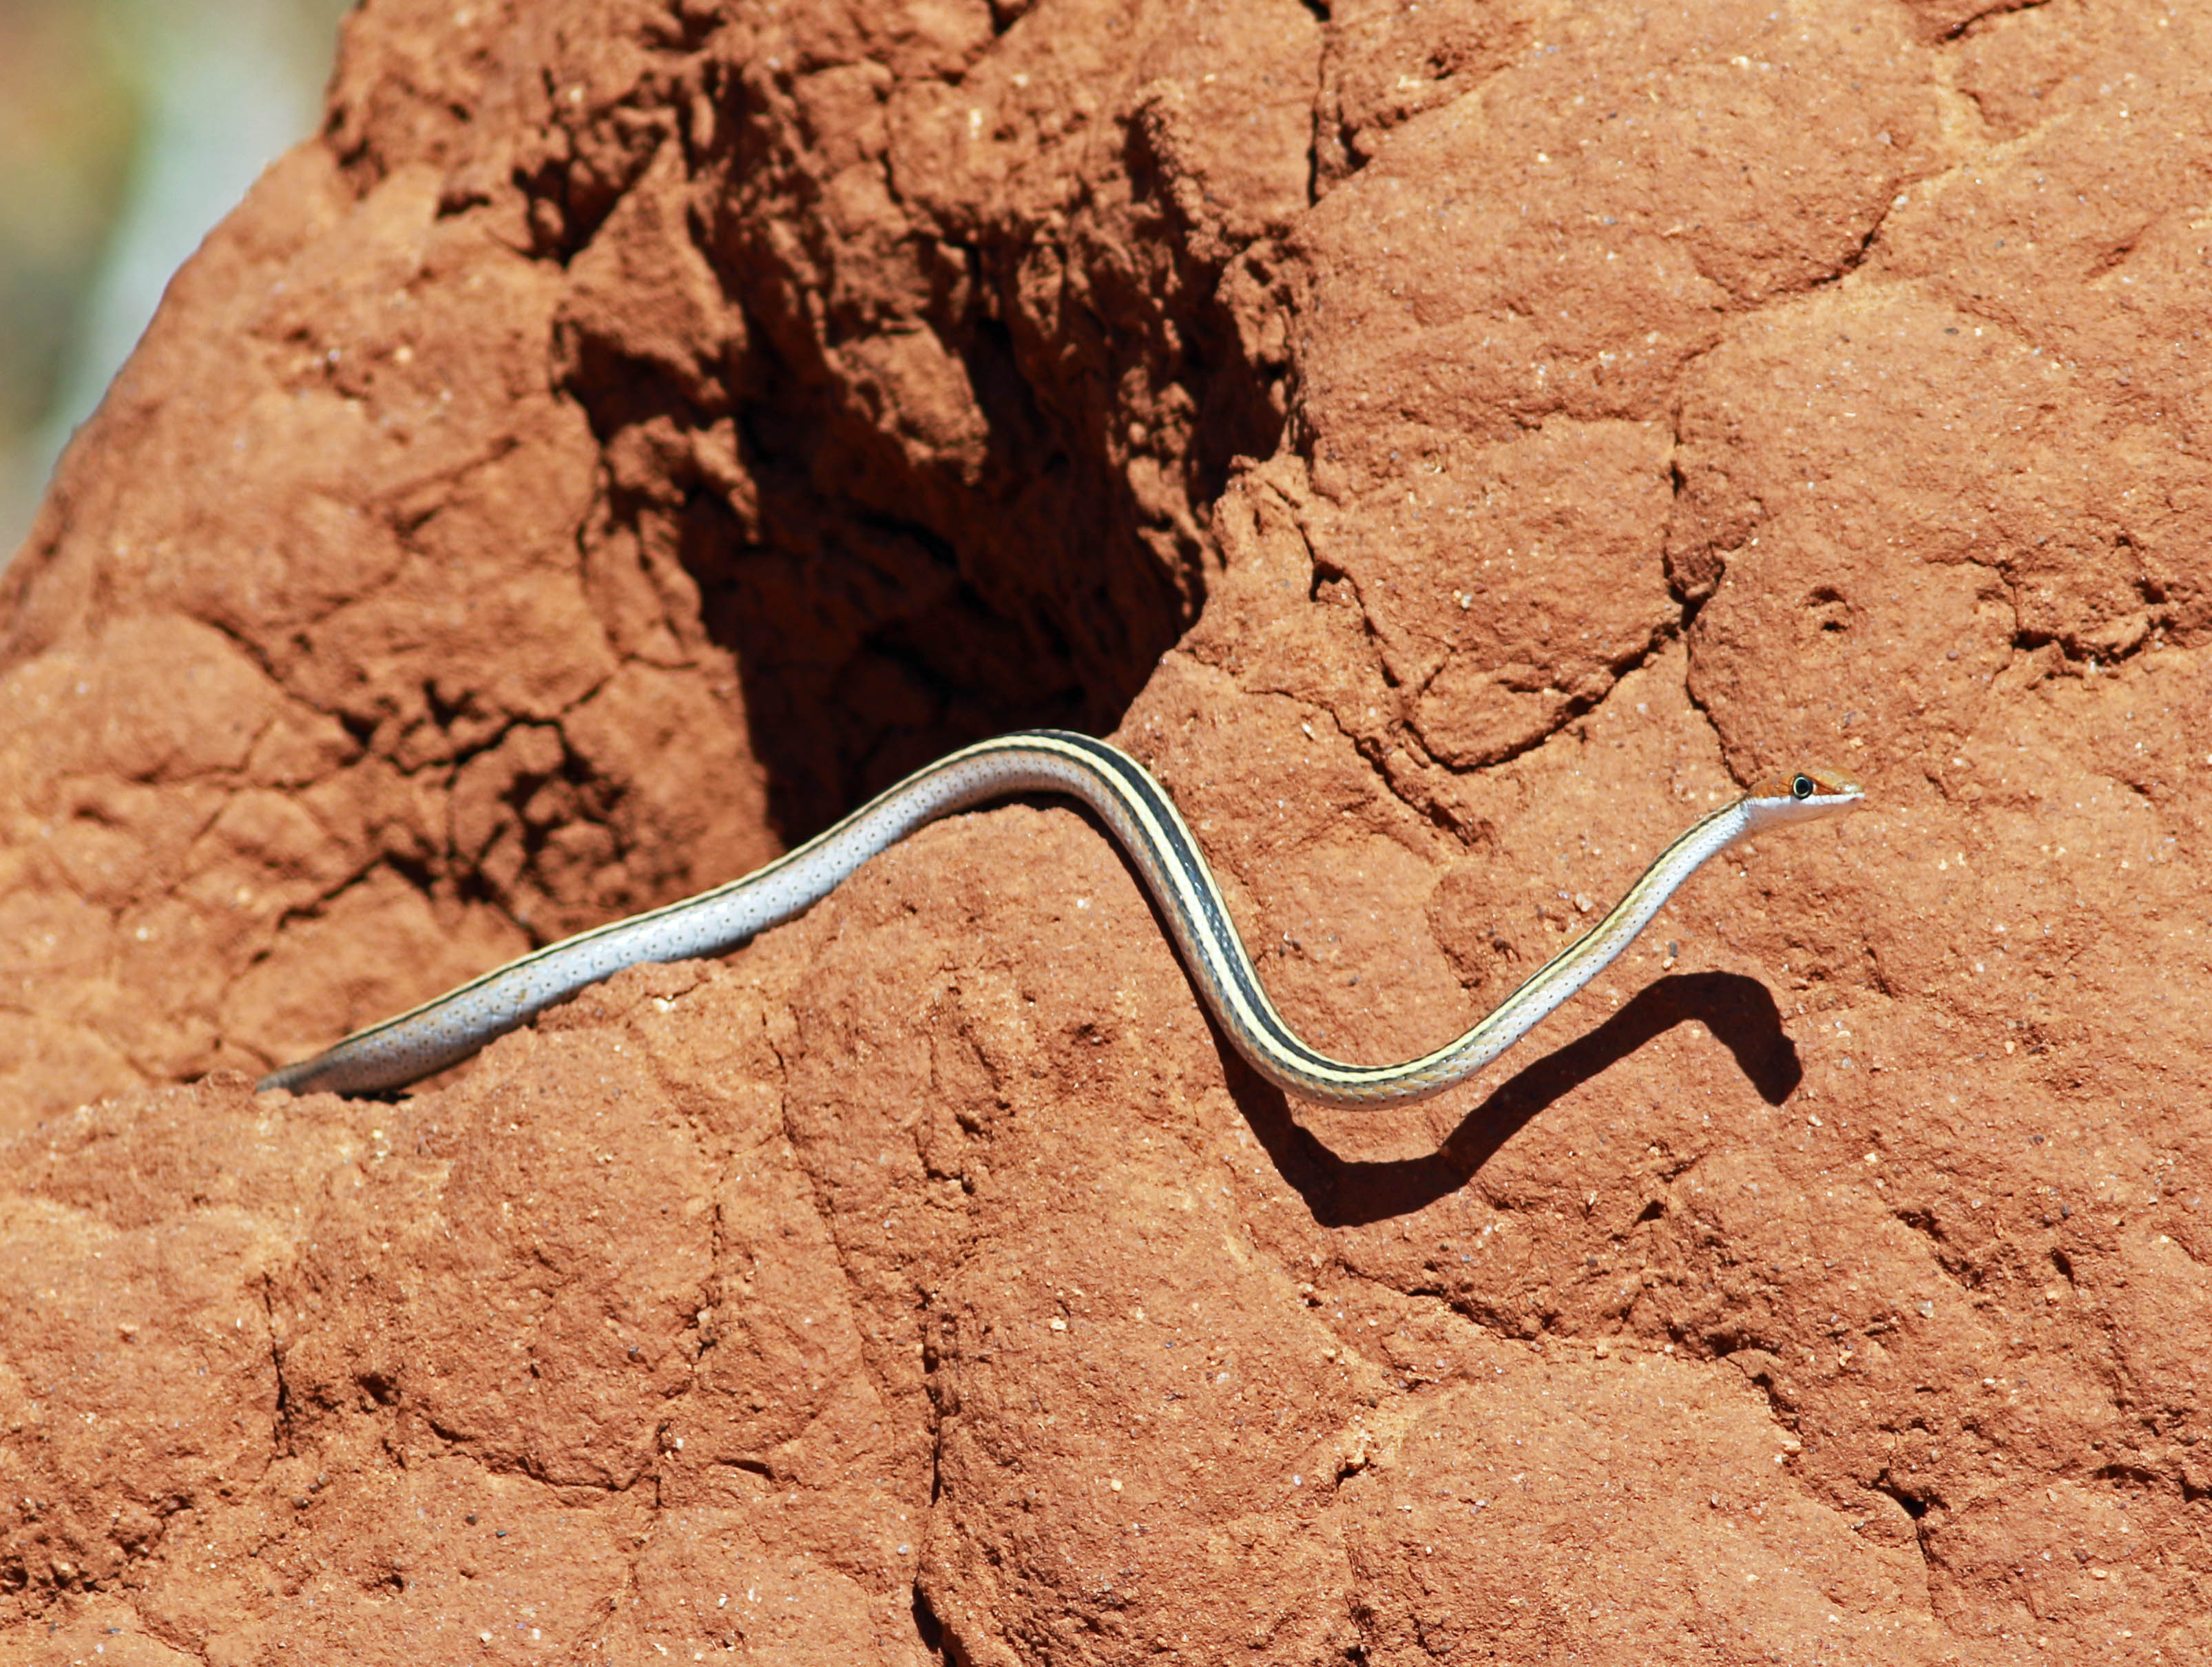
(1739, 1011)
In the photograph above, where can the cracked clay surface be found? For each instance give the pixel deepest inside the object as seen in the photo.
(1453, 447)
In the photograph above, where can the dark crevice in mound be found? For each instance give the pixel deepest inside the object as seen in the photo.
(929, 1629)
(975, 502)
(881, 614)
(1914, 1503)
(885, 608)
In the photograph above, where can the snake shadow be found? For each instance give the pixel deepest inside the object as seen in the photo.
(1349, 1193)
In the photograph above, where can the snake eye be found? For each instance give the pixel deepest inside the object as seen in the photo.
(1800, 787)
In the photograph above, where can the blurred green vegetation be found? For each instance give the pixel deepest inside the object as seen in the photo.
(127, 128)
(67, 115)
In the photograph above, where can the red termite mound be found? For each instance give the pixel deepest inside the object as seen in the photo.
(1453, 447)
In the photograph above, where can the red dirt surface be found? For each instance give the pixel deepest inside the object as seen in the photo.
(1453, 447)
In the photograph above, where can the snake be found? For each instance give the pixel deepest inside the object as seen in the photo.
(1141, 817)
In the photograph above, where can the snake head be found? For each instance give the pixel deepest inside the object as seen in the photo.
(1801, 795)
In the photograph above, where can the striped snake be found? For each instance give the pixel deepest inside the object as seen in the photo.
(443, 1031)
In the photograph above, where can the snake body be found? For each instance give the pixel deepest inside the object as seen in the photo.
(441, 1032)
